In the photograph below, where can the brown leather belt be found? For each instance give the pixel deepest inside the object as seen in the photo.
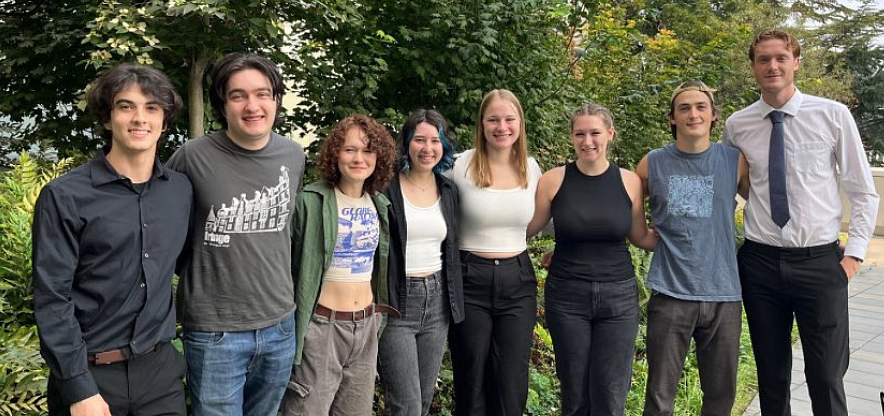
(356, 316)
(114, 356)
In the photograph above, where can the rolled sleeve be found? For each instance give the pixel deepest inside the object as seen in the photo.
(54, 257)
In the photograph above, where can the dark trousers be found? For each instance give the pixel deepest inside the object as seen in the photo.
(593, 326)
(490, 349)
(716, 328)
(148, 385)
(809, 284)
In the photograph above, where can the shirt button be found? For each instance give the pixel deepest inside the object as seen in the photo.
(496, 262)
(145, 225)
(142, 285)
(146, 255)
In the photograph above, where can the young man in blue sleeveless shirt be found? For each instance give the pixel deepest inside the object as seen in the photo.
(692, 184)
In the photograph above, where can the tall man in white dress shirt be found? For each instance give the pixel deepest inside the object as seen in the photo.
(791, 264)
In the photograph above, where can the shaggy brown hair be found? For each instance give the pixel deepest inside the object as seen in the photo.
(379, 141)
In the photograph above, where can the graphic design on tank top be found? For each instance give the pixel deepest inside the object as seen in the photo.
(358, 237)
(691, 196)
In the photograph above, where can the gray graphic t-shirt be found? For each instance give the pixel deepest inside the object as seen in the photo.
(236, 274)
(692, 206)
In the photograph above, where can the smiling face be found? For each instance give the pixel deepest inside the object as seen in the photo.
(425, 148)
(501, 124)
(136, 121)
(356, 161)
(250, 108)
(692, 116)
(774, 67)
(590, 137)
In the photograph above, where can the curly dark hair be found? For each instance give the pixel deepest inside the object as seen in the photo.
(379, 140)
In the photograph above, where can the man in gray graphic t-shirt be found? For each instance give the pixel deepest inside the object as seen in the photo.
(236, 294)
(691, 184)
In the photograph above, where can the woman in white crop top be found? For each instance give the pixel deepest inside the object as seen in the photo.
(424, 282)
(340, 244)
(496, 181)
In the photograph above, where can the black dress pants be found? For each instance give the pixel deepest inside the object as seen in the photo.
(809, 284)
(491, 348)
(148, 385)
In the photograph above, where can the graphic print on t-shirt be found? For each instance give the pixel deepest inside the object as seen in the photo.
(358, 237)
(267, 211)
(690, 196)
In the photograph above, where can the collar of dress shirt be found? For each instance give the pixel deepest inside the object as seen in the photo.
(790, 108)
(102, 172)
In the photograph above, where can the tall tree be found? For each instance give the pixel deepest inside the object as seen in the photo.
(42, 72)
(51, 50)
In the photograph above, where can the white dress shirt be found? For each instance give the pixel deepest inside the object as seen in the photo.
(820, 134)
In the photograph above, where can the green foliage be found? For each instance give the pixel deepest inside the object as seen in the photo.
(19, 189)
(53, 50)
(41, 74)
(22, 372)
(395, 56)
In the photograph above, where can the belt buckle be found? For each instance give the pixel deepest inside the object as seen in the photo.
(355, 315)
(106, 357)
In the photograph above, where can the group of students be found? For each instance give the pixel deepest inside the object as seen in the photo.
(296, 298)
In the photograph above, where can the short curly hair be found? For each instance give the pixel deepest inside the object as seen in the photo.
(379, 140)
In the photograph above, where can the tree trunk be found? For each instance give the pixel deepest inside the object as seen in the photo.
(195, 102)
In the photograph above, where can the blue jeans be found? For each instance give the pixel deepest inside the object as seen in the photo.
(411, 348)
(239, 373)
(593, 326)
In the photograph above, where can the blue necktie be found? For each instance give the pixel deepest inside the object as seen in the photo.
(776, 170)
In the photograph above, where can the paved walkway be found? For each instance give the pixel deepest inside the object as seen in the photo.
(865, 376)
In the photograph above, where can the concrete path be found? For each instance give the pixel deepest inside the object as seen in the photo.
(865, 376)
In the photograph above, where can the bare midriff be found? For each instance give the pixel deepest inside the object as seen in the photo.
(346, 296)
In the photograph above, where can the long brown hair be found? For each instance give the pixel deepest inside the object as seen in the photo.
(479, 167)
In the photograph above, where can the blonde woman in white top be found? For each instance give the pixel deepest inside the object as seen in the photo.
(496, 179)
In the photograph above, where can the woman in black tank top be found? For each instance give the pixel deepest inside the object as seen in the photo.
(591, 293)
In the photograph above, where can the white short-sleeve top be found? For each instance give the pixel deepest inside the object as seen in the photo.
(493, 220)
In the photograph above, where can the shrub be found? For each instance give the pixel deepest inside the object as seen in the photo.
(22, 371)
(19, 189)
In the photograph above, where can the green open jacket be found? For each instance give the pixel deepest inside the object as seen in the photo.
(314, 231)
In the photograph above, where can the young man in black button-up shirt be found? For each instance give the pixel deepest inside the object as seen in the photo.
(105, 238)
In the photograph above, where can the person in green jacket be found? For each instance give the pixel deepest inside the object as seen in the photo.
(340, 245)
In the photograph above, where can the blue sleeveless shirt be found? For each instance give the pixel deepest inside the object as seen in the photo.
(692, 199)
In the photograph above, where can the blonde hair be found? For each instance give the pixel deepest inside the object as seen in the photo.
(479, 167)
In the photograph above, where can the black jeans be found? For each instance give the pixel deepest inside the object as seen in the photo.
(490, 349)
(809, 284)
(716, 328)
(593, 327)
(150, 384)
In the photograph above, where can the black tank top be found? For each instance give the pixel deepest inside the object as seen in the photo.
(592, 218)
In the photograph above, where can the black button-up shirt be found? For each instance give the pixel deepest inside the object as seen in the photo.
(103, 255)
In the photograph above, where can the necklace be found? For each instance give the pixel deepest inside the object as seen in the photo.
(423, 189)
